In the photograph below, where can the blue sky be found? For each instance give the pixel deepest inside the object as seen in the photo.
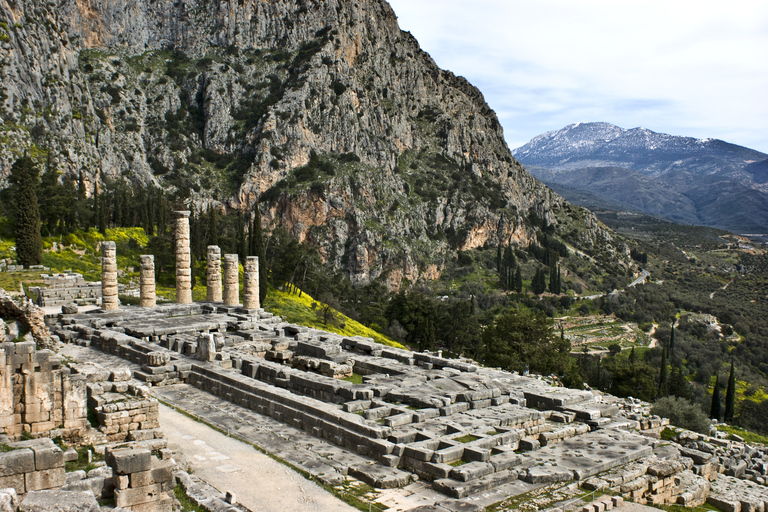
(693, 68)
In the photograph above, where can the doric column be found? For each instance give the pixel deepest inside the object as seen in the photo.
(183, 259)
(109, 300)
(213, 282)
(251, 284)
(231, 280)
(147, 281)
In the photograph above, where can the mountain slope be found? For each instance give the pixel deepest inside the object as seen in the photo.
(348, 133)
(693, 181)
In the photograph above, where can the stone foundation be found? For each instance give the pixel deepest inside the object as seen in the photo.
(142, 482)
(32, 466)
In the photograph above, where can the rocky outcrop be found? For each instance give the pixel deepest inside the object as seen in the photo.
(326, 111)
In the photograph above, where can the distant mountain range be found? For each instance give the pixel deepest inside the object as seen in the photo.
(705, 182)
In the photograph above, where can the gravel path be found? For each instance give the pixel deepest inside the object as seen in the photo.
(259, 482)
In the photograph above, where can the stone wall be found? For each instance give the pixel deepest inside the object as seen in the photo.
(32, 466)
(38, 396)
(123, 407)
(66, 289)
(142, 482)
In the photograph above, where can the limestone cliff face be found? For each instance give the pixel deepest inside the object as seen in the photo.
(346, 130)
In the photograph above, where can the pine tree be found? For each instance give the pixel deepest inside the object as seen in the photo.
(730, 396)
(715, 410)
(663, 376)
(23, 180)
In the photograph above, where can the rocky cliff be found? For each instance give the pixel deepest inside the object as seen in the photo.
(325, 111)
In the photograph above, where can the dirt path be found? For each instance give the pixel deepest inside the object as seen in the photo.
(259, 483)
(654, 342)
(712, 295)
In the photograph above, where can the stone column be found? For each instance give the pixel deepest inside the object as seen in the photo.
(109, 300)
(183, 259)
(147, 281)
(231, 281)
(251, 284)
(213, 283)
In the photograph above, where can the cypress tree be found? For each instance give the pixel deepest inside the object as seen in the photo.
(730, 396)
(23, 180)
(663, 376)
(258, 248)
(672, 340)
(552, 280)
(213, 233)
(715, 410)
(518, 280)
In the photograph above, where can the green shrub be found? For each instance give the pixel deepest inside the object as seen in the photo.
(682, 413)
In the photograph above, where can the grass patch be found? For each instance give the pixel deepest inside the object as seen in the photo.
(298, 310)
(355, 378)
(457, 463)
(466, 439)
(680, 508)
(187, 505)
(749, 437)
(4, 448)
(82, 460)
(668, 434)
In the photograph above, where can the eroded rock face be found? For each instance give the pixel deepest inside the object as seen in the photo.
(21, 308)
(229, 99)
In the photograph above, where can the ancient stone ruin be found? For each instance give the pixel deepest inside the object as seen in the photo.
(38, 395)
(458, 429)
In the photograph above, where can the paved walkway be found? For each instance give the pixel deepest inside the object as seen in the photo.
(258, 482)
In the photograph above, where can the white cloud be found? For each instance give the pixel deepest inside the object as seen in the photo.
(680, 67)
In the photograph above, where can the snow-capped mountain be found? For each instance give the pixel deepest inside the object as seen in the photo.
(695, 181)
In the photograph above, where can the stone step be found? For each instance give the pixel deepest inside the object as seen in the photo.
(459, 490)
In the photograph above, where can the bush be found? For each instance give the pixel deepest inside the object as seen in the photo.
(682, 413)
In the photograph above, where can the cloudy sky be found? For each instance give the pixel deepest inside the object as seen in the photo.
(683, 67)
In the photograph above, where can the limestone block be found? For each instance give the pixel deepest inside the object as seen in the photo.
(126, 461)
(59, 501)
(547, 474)
(9, 500)
(16, 461)
(131, 497)
(206, 347)
(471, 471)
(45, 479)
(121, 481)
(140, 479)
(163, 504)
(47, 454)
(15, 482)
(158, 358)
